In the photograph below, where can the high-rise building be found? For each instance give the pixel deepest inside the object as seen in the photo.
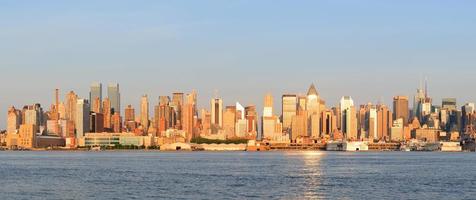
(299, 125)
(82, 117)
(114, 97)
(107, 112)
(229, 121)
(95, 96)
(71, 101)
(96, 122)
(144, 113)
(313, 112)
(384, 122)
(116, 123)
(350, 123)
(289, 109)
(329, 122)
(217, 112)
(252, 121)
(346, 103)
(400, 108)
(449, 103)
(188, 116)
(177, 103)
(130, 113)
(27, 136)
(268, 105)
(372, 123)
(13, 120)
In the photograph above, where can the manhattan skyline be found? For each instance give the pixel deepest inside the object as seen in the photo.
(369, 50)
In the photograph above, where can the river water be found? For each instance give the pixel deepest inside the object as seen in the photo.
(237, 175)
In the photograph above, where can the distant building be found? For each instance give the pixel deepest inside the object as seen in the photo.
(96, 123)
(144, 113)
(313, 112)
(289, 109)
(229, 121)
(13, 119)
(95, 97)
(82, 117)
(107, 112)
(400, 108)
(217, 112)
(114, 97)
(384, 122)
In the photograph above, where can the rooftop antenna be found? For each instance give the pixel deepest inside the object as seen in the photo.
(216, 93)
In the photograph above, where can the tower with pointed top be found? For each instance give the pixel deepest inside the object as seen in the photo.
(313, 112)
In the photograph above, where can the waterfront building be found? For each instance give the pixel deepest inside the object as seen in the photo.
(95, 97)
(114, 97)
(27, 136)
(299, 125)
(427, 134)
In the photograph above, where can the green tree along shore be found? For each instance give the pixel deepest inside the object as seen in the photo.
(200, 140)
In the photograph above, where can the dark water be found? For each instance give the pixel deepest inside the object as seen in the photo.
(237, 175)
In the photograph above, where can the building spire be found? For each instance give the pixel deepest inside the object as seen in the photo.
(312, 90)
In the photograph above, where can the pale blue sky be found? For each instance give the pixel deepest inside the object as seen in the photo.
(370, 50)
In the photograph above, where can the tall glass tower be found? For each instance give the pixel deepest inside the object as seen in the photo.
(114, 97)
(95, 92)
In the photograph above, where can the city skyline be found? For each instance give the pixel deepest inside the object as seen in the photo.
(204, 101)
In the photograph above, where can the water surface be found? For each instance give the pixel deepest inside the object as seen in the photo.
(237, 175)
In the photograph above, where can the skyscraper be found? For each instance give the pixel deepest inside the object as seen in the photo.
(346, 103)
(217, 112)
(177, 103)
(400, 108)
(313, 112)
(289, 109)
(95, 93)
(144, 113)
(129, 113)
(106, 107)
(71, 101)
(114, 97)
(384, 122)
(229, 121)
(13, 120)
(268, 105)
(82, 117)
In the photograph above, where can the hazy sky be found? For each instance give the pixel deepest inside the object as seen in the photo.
(370, 50)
